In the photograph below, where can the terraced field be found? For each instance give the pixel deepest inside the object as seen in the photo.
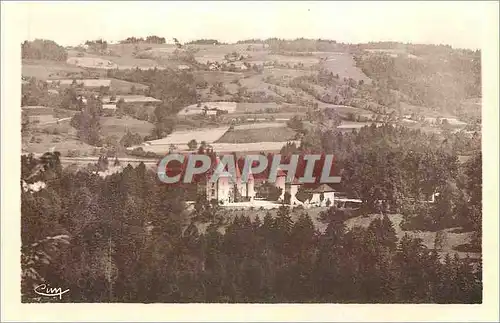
(248, 135)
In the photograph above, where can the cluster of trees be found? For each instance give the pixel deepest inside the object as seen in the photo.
(43, 49)
(126, 238)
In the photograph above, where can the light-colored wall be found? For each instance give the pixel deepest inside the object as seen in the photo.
(280, 182)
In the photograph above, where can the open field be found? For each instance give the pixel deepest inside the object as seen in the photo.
(243, 108)
(345, 109)
(452, 239)
(43, 70)
(212, 77)
(278, 134)
(280, 116)
(58, 137)
(254, 147)
(91, 62)
(112, 62)
(41, 110)
(130, 98)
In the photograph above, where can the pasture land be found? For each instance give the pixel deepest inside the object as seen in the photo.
(212, 77)
(41, 111)
(124, 87)
(209, 135)
(194, 109)
(261, 125)
(277, 134)
(306, 61)
(242, 148)
(452, 241)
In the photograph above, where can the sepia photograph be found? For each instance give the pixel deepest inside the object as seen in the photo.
(251, 153)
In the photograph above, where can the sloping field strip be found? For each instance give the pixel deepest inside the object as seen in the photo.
(254, 147)
(250, 147)
(183, 137)
(273, 134)
(260, 125)
(133, 98)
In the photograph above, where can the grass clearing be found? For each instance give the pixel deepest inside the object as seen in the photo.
(113, 126)
(125, 87)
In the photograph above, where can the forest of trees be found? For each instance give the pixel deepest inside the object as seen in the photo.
(126, 238)
(43, 49)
